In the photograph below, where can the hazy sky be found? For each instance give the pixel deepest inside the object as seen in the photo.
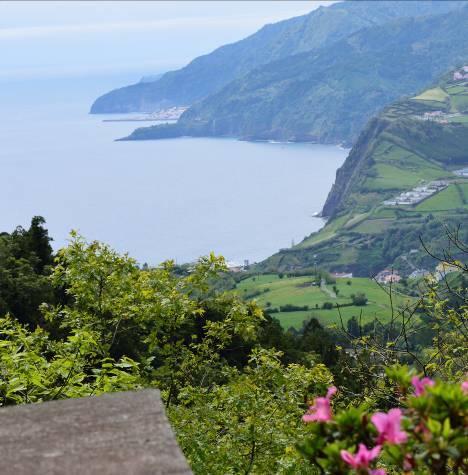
(71, 39)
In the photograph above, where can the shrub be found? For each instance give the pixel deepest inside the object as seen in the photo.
(327, 305)
(426, 434)
(293, 308)
(359, 299)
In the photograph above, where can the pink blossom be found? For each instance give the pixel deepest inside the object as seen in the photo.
(363, 457)
(378, 471)
(332, 390)
(419, 384)
(464, 387)
(389, 427)
(321, 410)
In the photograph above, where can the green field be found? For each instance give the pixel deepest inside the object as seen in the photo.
(447, 199)
(325, 233)
(462, 119)
(373, 226)
(394, 177)
(436, 94)
(459, 102)
(463, 190)
(274, 292)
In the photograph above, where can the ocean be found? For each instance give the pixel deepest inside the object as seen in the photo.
(157, 200)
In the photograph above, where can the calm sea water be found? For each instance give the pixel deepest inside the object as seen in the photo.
(177, 199)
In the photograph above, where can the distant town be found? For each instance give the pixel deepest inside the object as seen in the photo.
(170, 114)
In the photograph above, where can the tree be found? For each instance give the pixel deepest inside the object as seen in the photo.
(25, 258)
(250, 424)
(353, 327)
(39, 243)
(359, 299)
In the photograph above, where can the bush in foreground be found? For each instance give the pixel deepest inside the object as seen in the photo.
(427, 433)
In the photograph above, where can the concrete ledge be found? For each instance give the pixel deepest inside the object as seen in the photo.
(121, 433)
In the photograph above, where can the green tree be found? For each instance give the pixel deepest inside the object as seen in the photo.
(248, 425)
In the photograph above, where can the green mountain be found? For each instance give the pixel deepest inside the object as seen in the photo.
(328, 95)
(208, 74)
(400, 182)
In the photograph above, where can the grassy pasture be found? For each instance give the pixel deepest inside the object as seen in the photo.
(444, 200)
(459, 102)
(299, 291)
(463, 191)
(436, 94)
(373, 226)
(462, 119)
(394, 177)
(325, 233)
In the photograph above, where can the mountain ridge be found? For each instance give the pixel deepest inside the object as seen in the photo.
(328, 95)
(208, 73)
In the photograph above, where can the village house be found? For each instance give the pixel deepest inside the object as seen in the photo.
(463, 172)
(234, 267)
(461, 74)
(342, 275)
(387, 276)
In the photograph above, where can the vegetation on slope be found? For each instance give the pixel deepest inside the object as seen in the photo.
(328, 94)
(207, 74)
(412, 143)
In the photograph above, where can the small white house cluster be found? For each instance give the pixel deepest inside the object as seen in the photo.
(463, 172)
(461, 74)
(418, 194)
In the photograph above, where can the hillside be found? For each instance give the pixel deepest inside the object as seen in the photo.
(328, 95)
(208, 74)
(386, 195)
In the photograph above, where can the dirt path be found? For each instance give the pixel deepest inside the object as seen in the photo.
(324, 288)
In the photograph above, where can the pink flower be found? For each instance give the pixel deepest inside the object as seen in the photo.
(464, 387)
(363, 457)
(419, 384)
(332, 390)
(321, 410)
(389, 427)
(378, 471)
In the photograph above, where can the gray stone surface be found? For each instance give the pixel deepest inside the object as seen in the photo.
(121, 433)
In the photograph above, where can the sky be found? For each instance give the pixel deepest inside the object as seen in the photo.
(45, 40)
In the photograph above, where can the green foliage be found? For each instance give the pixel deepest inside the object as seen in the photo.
(152, 313)
(250, 424)
(430, 438)
(359, 299)
(233, 381)
(35, 368)
(25, 260)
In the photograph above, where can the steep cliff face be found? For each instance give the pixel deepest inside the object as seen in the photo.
(401, 182)
(348, 174)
